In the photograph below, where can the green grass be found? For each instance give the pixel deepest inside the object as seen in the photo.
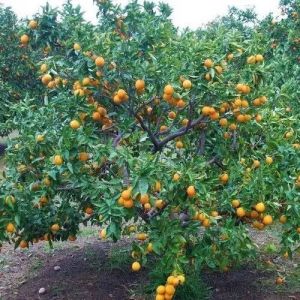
(88, 231)
(119, 259)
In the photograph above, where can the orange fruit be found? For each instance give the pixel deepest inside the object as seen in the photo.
(259, 58)
(32, 24)
(96, 116)
(179, 145)
(251, 60)
(282, 219)
(208, 63)
(187, 84)
(159, 204)
(191, 191)
(207, 76)
(160, 290)
(260, 207)
(176, 176)
(10, 228)
(126, 194)
(23, 244)
(170, 289)
(55, 228)
(229, 56)
(224, 178)
(181, 279)
(77, 47)
(136, 266)
(46, 79)
(223, 122)
(57, 160)
(240, 212)
(140, 85)
(172, 115)
(279, 280)
(128, 203)
(269, 160)
(169, 90)
(219, 70)
(44, 68)
(256, 163)
(24, 39)
(267, 220)
(74, 124)
(102, 234)
(144, 199)
(89, 210)
(83, 156)
(160, 297)
(235, 203)
(206, 223)
(99, 61)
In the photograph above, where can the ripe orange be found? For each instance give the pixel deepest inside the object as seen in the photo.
(55, 228)
(282, 219)
(99, 61)
(160, 297)
(259, 58)
(46, 79)
(144, 199)
(251, 60)
(176, 176)
(240, 212)
(23, 244)
(170, 290)
(43, 68)
(208, 63)
(141, 236)
(169, 90)
(24, 39)
(269, 160)
(224, 178)
(136, 266)
(86, 81)
(187, 84)
(159, 204)
(89, 210)
(260, 207)
(279, 280)
(150, 247)
(256, 163)
(122, 94)
(172, 115)
(58, 160)
(32, 24)
(83, 156)
(102, 234)
(191, 191)
(126, 194)
(235, 203)
(128, 203)
(10, 228)
(229, 56)
(267, 220)
(39, 138)
(179, 145)
(206, 223)
(219, 70)
(160, 290)
(74, 124)
(207, 76)
(140, 85)
(77, 47)
(223, 122)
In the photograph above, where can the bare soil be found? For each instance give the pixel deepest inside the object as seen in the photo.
(95, 269)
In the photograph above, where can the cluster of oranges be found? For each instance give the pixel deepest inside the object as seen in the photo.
(167, 291)
(253, 59)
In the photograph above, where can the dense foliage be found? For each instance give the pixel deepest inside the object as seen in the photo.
(183, 138)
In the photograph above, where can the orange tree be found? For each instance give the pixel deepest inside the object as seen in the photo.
(172, 137)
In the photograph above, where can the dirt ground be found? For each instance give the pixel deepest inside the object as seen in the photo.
(93, 269)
